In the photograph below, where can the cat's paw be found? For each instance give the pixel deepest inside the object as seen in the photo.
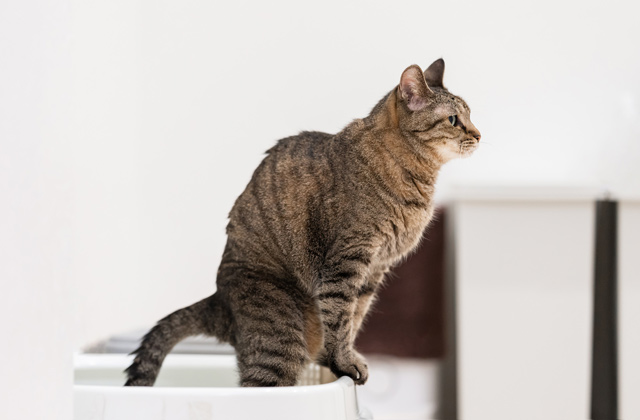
(351, 364)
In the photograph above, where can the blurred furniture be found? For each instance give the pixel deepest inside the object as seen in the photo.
(523, 268)
(407, 320)
(629, 307)
(522, 282)
(604, 355)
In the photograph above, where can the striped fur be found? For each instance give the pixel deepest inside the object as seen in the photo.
(322, 220)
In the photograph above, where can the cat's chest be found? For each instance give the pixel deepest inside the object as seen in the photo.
(403, 234)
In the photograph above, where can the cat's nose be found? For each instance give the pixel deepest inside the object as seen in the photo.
(471, 129)
(475, 133)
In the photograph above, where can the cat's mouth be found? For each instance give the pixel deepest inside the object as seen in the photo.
(467, 147)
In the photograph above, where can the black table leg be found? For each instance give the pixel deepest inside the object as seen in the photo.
(604, 373)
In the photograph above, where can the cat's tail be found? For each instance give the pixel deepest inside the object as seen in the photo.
(199, 318)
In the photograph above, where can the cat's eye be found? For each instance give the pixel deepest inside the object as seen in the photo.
(453, 119)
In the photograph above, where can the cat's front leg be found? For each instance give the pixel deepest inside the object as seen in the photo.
(366, 297)
(337, 299)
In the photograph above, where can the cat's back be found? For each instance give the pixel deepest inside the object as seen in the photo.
(287, 164)
(303, 148)
(274, 207)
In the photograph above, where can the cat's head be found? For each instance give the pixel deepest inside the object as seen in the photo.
(430, 116)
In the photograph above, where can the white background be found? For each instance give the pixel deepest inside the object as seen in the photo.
(127, 129)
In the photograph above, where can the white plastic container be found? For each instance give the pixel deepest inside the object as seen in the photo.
(204, 387)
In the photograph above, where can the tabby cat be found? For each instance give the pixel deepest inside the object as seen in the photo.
(310, 239)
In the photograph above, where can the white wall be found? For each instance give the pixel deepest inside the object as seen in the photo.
(176, 101)
(36, 210)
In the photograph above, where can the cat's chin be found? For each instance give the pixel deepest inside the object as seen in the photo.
(447, 154)
(468, 152)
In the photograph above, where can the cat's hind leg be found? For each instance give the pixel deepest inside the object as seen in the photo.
(270, 335)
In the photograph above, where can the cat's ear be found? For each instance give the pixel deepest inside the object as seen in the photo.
(414, 89)
(434, 74)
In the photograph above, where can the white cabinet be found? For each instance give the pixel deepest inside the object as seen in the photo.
(524, 264)
(524, 261)
(629, 308)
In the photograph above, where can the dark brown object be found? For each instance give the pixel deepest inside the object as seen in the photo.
(408, 318)
(604, 371)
